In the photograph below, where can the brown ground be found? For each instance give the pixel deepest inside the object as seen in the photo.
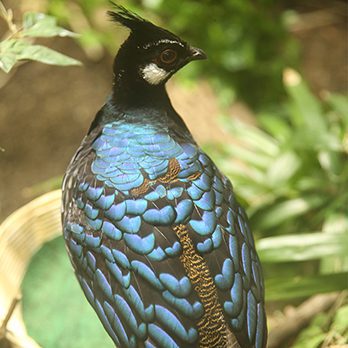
(45, 111)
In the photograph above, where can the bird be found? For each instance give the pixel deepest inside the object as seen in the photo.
(158, 241)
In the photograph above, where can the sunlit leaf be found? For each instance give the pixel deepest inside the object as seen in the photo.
(46, 55)
(286, 210)
(308, 113)
(7, 61)
(252, 136)
(13, 45)
(254, 158)
(335, 224)
(340, 105)
(42, 25)
(252, 173)
(277, 126)
(283, 288)
(283, 168)
(309, 139)
(9, 51)
(334, 163)
(14, 50)
(310, 246)
(340, 322)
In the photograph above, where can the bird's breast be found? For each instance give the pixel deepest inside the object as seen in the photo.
(131, 156)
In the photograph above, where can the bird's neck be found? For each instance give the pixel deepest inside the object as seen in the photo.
(133, 93)
(131, 90)
(134, 102)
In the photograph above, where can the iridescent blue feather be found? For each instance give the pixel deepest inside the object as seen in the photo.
(124, 248)
(159, 244)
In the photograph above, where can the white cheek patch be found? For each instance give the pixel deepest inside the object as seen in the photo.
(153, 74)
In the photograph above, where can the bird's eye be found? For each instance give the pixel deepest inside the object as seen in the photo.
(168, 56)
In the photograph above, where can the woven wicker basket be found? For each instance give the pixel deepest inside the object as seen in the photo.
(21, 235)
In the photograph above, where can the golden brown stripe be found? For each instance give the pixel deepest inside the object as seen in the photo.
(172, 173)
(169, 177)
(212, 328)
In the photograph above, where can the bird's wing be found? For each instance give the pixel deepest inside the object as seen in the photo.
(219, 230)
(172, 262)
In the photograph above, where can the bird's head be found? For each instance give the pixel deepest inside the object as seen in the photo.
(150, 55)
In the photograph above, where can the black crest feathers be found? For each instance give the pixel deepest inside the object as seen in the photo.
(127, 18)
(145, 30)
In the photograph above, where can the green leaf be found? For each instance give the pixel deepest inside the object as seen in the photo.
(307, 109)
(46, 55)
(333, 225)
(9, 50)
(283, 288)
(309, 139)
(283, 168)
(252, 137)
(7, 61)
(284, 211)
(234, 169)
(250, 157)
(331, 162)
(340, 323)
(278, 127)
(14, 50)
(336, 223)
(41, 25)
(340, 104)
(12, 45)
(300, 247)
(312, 336)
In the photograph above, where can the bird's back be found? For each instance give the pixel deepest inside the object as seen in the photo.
(159, 244)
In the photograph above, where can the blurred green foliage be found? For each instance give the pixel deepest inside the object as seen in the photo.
(247, 42)
(291, 171)
(291, 168)
(19, 44)
(325, 331)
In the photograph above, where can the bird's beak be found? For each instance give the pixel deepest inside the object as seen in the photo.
(197, 54)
